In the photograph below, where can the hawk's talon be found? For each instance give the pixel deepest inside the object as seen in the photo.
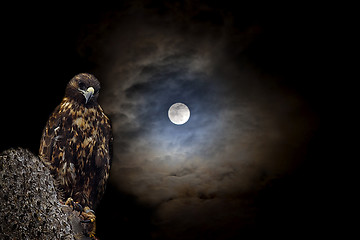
(88, 220)
(88, 210)
(76, 206)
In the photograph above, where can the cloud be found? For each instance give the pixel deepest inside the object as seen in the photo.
(244, 127)
(194, 218)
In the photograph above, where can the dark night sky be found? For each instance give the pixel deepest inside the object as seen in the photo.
(251, 160)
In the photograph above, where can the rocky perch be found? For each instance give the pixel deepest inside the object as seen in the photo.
(29, 204)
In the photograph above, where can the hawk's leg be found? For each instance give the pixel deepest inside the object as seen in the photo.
(89, 219)
(87, 215)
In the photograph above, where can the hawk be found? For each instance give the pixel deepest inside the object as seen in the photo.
(76, 142)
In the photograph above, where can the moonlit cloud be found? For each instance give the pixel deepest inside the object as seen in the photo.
(244, 128)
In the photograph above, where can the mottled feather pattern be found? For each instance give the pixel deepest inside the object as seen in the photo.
(76, 147)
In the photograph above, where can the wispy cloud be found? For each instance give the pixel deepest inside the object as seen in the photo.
(244, 128)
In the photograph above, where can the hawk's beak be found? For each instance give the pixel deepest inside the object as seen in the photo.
(88, 93)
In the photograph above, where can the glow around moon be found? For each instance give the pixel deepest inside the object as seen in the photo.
(179, 113)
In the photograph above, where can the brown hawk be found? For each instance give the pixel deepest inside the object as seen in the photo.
(76, 142)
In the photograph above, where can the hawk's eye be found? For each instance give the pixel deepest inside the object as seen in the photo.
(82, 85)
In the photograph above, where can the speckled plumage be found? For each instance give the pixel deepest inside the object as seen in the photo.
(76, 143)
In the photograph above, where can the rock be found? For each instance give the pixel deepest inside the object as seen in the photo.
(29, 204)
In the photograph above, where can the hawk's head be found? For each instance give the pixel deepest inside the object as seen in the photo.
(83, 88)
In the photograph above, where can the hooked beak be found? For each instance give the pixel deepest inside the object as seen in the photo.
(88, 93)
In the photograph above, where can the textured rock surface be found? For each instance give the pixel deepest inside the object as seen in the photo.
(29, 206)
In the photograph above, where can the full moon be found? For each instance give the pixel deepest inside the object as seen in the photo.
(179, 113)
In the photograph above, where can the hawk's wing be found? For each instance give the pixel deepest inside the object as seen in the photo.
(103, 156)
(50, 139)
